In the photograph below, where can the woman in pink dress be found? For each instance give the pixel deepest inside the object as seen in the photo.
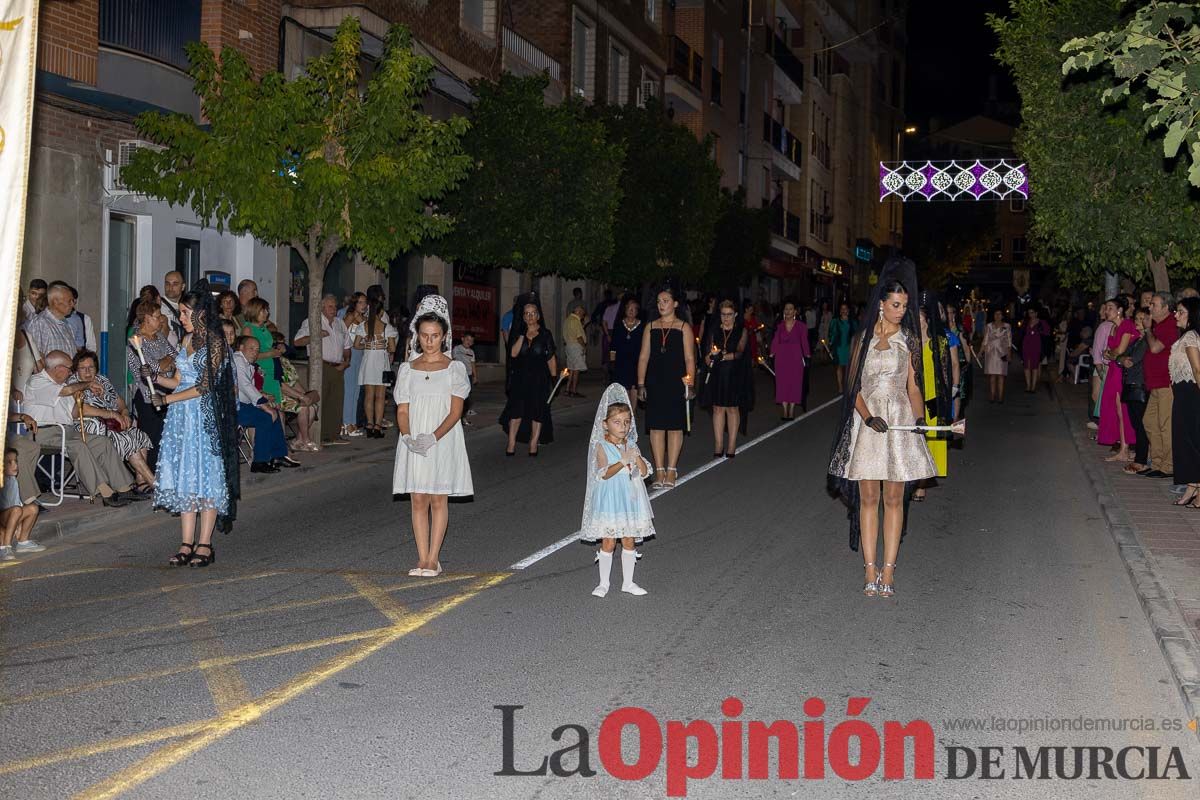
(1031, 347)
(1115, 425)
(790, 348)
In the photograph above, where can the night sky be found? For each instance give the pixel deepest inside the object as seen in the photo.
(950, 61)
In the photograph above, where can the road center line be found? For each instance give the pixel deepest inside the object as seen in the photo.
(533, 558)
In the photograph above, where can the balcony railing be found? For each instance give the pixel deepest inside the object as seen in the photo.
(157, 30)
(786, 60)
(784, 224)
(781, 139)
(687, 63)
(530, 53)
(715, 85)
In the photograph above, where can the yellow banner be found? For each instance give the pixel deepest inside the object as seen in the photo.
(18, 63)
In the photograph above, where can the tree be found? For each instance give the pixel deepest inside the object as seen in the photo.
(670, 198)
(1158, 48)
(545, 185)
(316, 163)
(741, 240)
(1101, 200)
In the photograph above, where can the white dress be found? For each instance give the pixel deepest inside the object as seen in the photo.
(375, 358)
(444, 469)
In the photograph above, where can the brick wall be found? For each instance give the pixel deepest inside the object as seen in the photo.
(67, 38)
(57, 126)
(222, 23)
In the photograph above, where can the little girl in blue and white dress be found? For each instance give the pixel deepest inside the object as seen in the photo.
(616, 505)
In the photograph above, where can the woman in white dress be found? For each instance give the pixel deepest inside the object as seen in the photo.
(431, 456)
(997, 343)
(376, 337)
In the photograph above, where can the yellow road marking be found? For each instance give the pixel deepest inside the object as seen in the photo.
(377, 597)
(106, 746)
(248, 612)
(166, 757)
(65, 573)
(224, 682)
(167, 672)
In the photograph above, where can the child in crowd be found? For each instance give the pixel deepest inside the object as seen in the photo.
(465, 352)
(16, 519)
(616, 505)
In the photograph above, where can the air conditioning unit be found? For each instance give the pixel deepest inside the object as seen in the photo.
(646, 90)
(125, 150)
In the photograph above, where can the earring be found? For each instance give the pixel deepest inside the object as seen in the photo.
(881, 315)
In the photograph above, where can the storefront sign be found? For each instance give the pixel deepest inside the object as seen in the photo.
(832, 267)
(864, 253)
(474, 311)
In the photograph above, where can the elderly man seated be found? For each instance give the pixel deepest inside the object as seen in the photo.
(258, 411)
(49, 399)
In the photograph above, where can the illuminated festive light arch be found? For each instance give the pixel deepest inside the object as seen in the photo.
(993, 179)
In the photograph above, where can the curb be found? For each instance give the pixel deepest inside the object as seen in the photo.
(1178, 648)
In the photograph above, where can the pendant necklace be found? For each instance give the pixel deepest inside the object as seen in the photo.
(665, 333)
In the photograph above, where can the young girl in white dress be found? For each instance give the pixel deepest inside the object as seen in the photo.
(616, 505)
(431, 456)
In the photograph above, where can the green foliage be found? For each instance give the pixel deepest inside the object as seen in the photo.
(544, 189)
(1101, 199)
(670, 201)
(1158, 49)
(741, 241)
(316, 163)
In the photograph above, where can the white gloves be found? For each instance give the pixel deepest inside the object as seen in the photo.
(420, 444)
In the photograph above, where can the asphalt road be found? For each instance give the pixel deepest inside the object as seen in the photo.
(305, 663)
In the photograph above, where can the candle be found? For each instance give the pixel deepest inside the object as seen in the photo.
(136, 341)
(687, 406)
(712, 365)
(959, 427)
(564, 374)
(763, 363)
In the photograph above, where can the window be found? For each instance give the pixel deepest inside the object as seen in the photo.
(766, 184)
(995, 254)
(716, 63)
(1018, 250)
(715, 151)
(819, 140)
(156, 30)
(818, 211)
(618, 76)
(583, 58)
(1016, 204)
(187, 260)
(475, 16)
(652, 12)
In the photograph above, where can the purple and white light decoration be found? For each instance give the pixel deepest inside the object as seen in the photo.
(993, 179)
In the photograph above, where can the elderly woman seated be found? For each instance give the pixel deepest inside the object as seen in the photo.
(297, 400)
(103, 413)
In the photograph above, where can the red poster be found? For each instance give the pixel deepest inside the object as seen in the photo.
(474, 311)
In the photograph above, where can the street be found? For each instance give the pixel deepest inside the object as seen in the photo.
(306, 663)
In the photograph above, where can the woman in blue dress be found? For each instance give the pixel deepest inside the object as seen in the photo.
(198, 462)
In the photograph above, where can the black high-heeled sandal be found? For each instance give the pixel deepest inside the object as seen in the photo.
(198, 560)
(181, 558)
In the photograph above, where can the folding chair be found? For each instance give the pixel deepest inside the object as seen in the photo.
(1084, 362)
(245, 445)
(63, 484)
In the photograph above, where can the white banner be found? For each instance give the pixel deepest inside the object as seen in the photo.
(18, 63)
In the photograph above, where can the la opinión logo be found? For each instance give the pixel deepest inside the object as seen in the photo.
(737, 749)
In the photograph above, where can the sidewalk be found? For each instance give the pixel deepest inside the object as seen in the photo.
(1159, 543)
(487, 400)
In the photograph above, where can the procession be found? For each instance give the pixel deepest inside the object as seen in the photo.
(511, 400)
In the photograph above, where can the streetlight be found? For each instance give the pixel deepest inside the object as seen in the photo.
(910, 130)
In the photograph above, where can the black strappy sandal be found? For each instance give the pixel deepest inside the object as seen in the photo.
(181, 558)
(198, 560)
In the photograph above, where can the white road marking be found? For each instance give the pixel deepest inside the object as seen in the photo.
(533, 558)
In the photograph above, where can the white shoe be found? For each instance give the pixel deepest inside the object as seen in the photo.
(416, 572)
(28, 546)
(354, 434)
(1092, 426)
(634, 589)
(6, 554)
(600, 590)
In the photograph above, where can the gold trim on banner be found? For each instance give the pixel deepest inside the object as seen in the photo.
(10, 264)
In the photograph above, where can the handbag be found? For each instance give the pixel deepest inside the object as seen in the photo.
(1133, 393)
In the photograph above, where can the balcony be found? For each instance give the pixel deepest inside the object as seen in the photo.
(531, 54)
(156, 30)
(715, 86)
(785, 230)
(785, 148)
(789, 73)
(685, 76)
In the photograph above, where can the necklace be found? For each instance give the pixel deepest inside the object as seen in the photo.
(665, 333)
(725, 341)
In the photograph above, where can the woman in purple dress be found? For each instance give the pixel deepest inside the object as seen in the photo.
(790, 348)
(1031, 347)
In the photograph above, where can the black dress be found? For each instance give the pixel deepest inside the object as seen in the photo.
(1185, 431)
(529, 384)
(628, 346)
(725, 383)
(664, 381)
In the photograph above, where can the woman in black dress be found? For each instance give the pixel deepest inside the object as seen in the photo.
(626, 343)
(666, 371)
(532, 366)
(725, 350)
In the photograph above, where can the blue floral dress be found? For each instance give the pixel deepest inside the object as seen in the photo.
(191, 473)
